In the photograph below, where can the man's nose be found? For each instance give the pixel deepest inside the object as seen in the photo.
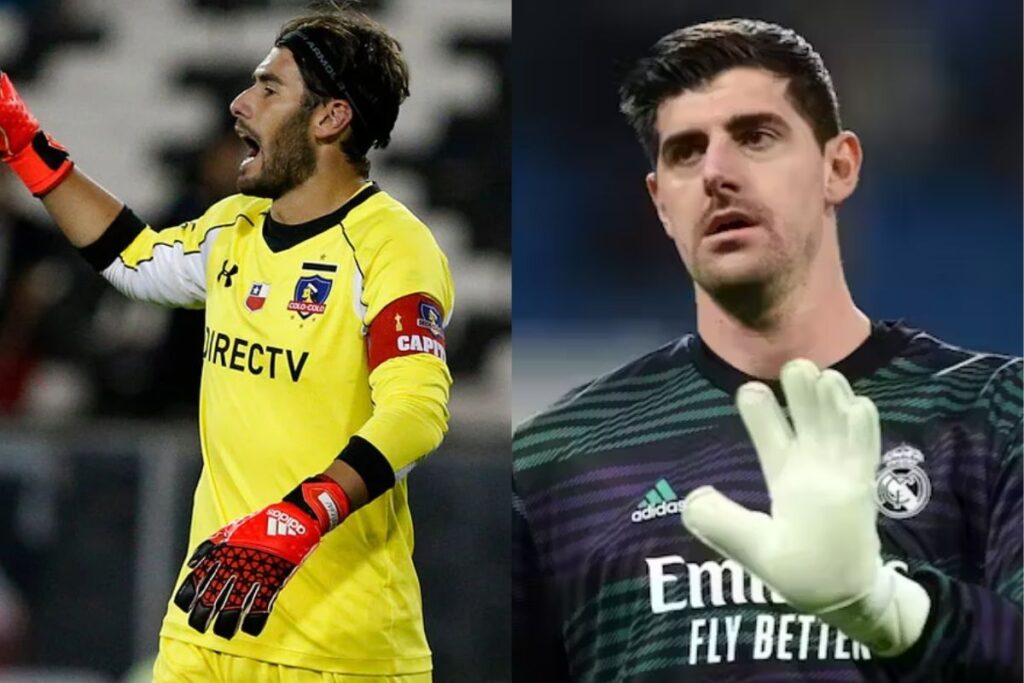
(239, 106)
(721, 168)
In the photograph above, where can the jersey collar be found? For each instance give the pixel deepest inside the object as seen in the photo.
(886, 340)
(280, 236)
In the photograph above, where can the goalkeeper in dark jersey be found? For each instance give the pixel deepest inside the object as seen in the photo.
(324, 374)
(795, 493)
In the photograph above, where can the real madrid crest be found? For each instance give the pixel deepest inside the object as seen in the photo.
(902, 487)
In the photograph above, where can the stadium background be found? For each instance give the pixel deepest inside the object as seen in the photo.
(932, 235)
(98, 442)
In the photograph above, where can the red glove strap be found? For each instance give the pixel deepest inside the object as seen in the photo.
(324, 498)
(41, 165)
(328, 501)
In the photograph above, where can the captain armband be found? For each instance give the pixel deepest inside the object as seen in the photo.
(408, 325)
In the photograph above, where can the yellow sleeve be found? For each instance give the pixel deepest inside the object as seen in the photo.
(399, 259)
(410, 392)
(410, 414)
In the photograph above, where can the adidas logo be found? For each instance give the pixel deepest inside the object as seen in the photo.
(276, 527)
(660, 501)
(280, 524)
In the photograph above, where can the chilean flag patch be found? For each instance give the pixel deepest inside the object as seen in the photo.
(257, 296)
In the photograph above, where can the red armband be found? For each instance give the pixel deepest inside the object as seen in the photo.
(42, 165)
(411, 324)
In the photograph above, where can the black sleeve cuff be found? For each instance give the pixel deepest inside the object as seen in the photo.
(370, 464)
(114, 240)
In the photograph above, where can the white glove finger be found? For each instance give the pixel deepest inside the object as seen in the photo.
(834, 399)
(767, 426)
(799, 378)
(864, 436)
(727, 527)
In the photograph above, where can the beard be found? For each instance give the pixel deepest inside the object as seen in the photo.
(720, 271)
(751, 285)
(288, 163)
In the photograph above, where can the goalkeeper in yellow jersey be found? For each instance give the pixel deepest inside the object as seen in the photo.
(324, 375)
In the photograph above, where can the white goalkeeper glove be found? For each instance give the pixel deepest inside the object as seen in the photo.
(819, 549)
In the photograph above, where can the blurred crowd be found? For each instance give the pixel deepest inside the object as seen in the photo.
(71, 345)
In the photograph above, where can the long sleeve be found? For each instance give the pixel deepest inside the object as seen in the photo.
(537, 650)
(410, 414)
(169, 266)
(976, 632)
(406, 296)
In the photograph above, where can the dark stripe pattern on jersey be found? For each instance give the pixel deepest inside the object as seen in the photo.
(608, 585)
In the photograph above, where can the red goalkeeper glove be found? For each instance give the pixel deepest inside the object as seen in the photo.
(39, 160)
(238, 572)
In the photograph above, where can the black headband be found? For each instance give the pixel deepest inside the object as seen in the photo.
(310, 55)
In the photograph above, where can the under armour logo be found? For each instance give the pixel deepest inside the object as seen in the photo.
(227, 273)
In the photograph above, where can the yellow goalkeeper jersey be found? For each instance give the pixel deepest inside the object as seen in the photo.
(286, 382)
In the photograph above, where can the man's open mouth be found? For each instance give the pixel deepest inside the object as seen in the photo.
(254, 147)
(729, 221)
(251, 142)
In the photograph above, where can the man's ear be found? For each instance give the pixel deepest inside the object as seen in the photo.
(652, 189)
(843, 158)
(332, 119)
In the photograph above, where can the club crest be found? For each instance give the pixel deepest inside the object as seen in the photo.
(310, 296)
(430, 318)
(902, 487)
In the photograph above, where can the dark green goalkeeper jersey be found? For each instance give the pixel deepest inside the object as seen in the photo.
(609, 586)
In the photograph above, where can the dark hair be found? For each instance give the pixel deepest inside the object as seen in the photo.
(360, 63)
(691, 57)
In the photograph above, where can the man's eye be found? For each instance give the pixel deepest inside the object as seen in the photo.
(682, 154)
(758, 139)
(268, 91)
